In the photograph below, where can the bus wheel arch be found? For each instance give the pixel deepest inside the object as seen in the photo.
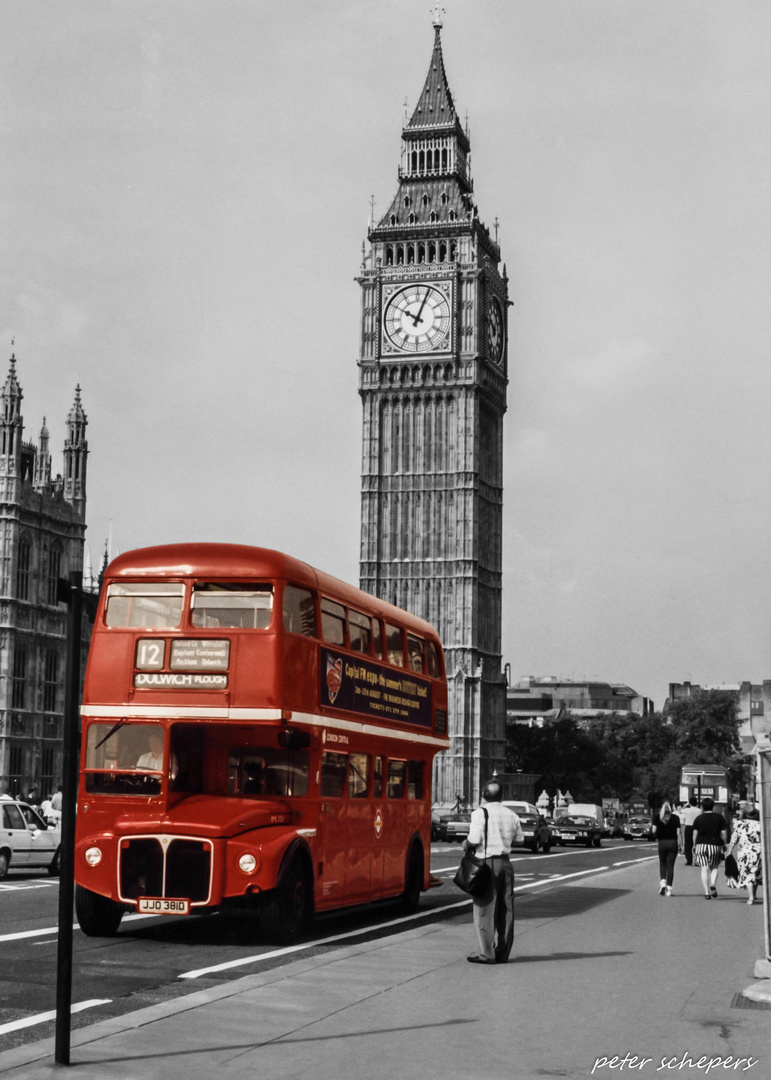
(97, 915)
(288, 908)
(414, 873)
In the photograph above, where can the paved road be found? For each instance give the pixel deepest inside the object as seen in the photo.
(156, 959)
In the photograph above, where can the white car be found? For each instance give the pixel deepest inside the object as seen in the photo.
(26, 840)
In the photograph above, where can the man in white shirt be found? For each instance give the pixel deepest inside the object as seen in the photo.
(153, 759)
(687, 817)
(494, 911)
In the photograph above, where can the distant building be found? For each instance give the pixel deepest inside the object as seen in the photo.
(42, 528)
(753, 701)
(532, 700)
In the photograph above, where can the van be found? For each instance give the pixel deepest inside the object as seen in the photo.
(583, 809)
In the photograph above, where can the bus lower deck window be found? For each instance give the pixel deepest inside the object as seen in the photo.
(397, 771)
(415, 780)
(358, 776)
(333, 770)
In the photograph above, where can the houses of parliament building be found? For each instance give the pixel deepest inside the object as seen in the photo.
(42, 529)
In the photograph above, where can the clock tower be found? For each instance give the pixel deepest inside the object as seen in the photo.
(433, 374)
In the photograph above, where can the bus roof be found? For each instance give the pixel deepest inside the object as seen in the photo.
(242, 562)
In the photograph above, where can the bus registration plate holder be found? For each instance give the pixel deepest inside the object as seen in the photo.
(163, 905)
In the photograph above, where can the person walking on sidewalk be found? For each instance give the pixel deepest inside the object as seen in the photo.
(669, 834)
(688, 815)
(710, 835)
(494, 910)
(746, 839)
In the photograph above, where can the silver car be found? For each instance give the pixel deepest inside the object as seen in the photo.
(26, 840)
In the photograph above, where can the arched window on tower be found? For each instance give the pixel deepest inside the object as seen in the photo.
(425, 200)
(54, 573)
(444, 198)
(452, 215)
(392, 219)
(432, 216)
(399, 254)
(432, 252)
(411, 218)
(422, 161)
(444, 159)
(410, 252)
(414, 160)
(23, 565)
(421, 253)
(389, 255)
(442, 251)
(407, 200)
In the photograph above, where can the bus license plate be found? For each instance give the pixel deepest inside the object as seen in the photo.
(151, 905)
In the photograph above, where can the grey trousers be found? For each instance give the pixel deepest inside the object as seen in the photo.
(494, 912)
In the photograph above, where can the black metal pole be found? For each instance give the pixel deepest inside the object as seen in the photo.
(72, 592)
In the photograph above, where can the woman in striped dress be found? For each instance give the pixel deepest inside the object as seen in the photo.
(710, 835)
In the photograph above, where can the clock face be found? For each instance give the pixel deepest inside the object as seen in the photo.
(495, 331)
(417, 319)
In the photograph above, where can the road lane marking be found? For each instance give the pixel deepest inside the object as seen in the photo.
(289, 949)
(41, 1018)
(55, 929)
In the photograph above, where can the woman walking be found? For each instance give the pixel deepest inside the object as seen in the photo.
(669, 833)
(710, 834)
(746, 839)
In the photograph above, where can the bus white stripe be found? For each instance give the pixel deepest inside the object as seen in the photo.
(207, 712)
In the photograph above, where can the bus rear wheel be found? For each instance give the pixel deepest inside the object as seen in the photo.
(98, 916)
(288, 909)
(413, 883)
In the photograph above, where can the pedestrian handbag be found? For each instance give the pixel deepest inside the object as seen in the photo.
(731, 872)
(474, 875)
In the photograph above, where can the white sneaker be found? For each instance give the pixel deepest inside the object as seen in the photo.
(669, 890)
(662, 887)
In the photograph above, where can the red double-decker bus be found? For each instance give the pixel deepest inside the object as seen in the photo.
(254, 731)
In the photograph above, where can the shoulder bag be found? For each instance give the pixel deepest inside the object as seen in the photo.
(474, 875)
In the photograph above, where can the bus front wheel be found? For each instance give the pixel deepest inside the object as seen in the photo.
(98, 916)
(288, 909)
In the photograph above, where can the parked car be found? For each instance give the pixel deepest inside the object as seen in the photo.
(638, 828)
(457, 826)
(538, 835)
(25, 839)
(439, 816)
(578, 830)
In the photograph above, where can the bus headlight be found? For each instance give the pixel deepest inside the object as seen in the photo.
(247, 863)
(93, 856)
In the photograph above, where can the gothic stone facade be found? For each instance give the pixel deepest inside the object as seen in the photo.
(42, 527)
(433, 377)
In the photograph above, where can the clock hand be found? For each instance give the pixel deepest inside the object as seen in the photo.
(416, 318)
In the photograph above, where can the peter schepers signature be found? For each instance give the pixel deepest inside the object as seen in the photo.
(703, 1065)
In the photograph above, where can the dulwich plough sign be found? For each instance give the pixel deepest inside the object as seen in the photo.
(362, 687)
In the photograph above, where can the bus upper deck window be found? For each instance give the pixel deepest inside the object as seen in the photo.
(415, 653)
(377, 637)
(299, 611)
(394, 645)
(146, 604)
(240, 606)
(332, 622)
(361, 631)
(432, 656)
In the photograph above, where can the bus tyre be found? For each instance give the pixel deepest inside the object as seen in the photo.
(287, 912)
(97, 915)
(413, 882)
(55, 865)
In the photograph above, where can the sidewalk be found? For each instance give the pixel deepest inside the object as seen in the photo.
(631, 973)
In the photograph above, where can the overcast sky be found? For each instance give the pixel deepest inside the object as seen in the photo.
(184, 190)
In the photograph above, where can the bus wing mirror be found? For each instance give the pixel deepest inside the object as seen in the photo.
(292, 739)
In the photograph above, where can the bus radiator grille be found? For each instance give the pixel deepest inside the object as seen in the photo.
(187, 870)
